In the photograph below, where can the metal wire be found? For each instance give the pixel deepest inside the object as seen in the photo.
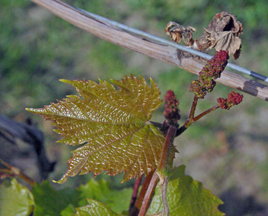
(170, 43)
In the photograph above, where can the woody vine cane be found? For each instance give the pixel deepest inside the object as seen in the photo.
(113, 125)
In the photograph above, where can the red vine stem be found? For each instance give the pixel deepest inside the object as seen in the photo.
(191, 115)
(205, 113)
(138, 203)
(149, 194)
(163, 167)
(135, 193)
(190, 118)
(163, 164)
(153, 177)
(193, 119)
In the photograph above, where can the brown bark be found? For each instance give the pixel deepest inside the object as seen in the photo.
(184, 60)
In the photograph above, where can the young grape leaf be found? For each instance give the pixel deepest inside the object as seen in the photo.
(15, 199)
(117, 200)
(112, 124)
(68, 211)
(49, 201)
(95, 208)
(186, 197)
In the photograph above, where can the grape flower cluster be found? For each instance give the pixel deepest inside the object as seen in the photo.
(212, 70)
(232, 99)
(171, 112)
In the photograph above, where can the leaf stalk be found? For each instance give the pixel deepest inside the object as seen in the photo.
(149, 194)
(12, 171)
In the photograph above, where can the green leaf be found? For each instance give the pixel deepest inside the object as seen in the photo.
(113, 123)
(49, 201)
(94, 208)
(15, 199)
(186, 197)
(117, 200)
(68, 211)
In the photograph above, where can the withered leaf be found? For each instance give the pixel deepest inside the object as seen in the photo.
(113, 126)
(178, 32)
(222, 33)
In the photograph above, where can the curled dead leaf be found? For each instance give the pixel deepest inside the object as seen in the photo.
(222, 33)
(178, 32)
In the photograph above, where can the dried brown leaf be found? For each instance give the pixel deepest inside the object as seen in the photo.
(178, 32)
(222, 33)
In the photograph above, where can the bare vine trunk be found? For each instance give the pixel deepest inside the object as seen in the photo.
(182, 59)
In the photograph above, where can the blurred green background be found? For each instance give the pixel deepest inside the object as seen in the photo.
(226, 150)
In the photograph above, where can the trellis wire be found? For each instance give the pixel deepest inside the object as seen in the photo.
(170, 43)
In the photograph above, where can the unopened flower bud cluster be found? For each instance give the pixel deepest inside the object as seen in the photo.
(232, 99)
(212, 70)
(171, 112)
